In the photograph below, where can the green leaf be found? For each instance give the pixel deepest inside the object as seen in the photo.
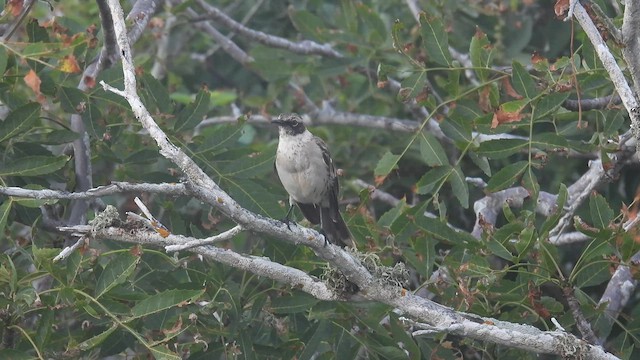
(593, 273)
(392, 215)
(458, 130)
(601, 213)
(395, 36)
(549, 141)
(5, 209)
(116, 272)
(412, 86)
(400, 334)
(388, 162)
(481, 162)
(10, 354)
(440, 230)
(548, 104)
(308, 24)
(432, 152)
(161, 352)
(321, 333)
(498, 249)
(299, 303)
(194, 113)
(501, 148)
(530, 182)
(97, 339)
(506, 176)
(19, 120)
(53, 137)
(481, 53)
(157, 92)
(552, 220)
(33, 165)
(459, 186)
(249, 166)
(163, 301)
(435, 39)
(526, 240)
(434, 178)
(71, 99)
(217, 138)
(222, 98)
(4, 59)
(93, 121)
(251, 194)
(523, 82)
(373, 27)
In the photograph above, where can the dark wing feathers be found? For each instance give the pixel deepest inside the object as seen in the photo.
(310, 211)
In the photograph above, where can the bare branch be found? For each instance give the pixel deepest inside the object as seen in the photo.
(26, 9)
(208, 241)
(305, 47)
(224, 42)
(619, 290)
(70, 249)
(569, 238)
(377, 194)
(489, 207)
(592, 104)
(609, 62)
(100, 191)
(159, 68)
(581, 322)
(631, 40)
(253, 264)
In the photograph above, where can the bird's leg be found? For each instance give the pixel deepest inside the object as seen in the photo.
(287, 218)
(322, 232)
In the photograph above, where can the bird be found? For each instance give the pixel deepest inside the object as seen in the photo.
(306, 170)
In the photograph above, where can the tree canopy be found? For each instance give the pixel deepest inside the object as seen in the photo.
(487, 155)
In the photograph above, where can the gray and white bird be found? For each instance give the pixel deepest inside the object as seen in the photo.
(306, 170)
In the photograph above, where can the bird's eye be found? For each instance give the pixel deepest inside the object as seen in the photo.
(294, 123)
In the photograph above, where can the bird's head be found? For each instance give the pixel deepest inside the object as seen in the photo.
(289, 124)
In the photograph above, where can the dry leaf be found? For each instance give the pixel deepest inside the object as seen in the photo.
(14, 7)
(69, 64)
(504, 115)
(561, 8)
(508, 88)
(33, 81)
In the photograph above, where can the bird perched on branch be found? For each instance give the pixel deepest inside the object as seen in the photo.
(306, 170)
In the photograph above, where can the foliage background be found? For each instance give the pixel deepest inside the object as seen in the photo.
(112, 299)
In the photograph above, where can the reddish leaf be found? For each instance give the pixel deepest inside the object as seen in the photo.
(14, 7)
(508, 112)
(561, 8)
(508, 88)
(484, 101)
(33, 82)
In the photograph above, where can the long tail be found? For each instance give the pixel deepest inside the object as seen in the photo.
(335, 228)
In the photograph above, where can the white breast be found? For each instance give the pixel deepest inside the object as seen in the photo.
(301, 168)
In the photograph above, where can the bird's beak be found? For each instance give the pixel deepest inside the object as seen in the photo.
(277, 122)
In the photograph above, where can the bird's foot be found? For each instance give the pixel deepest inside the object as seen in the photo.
(326, 238)
(288, 222)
